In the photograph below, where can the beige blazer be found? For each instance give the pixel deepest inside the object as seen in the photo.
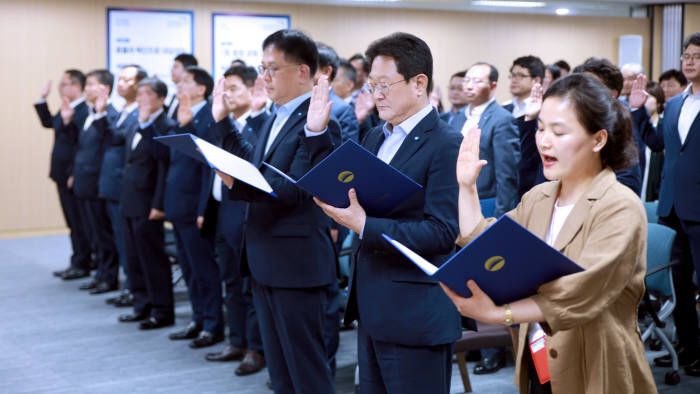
(593, 341)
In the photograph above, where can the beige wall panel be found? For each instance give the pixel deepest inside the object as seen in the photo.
(41, 38)
(692, 19)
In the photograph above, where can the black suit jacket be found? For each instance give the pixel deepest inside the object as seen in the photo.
(64, 145)
(110, 181)
(287, 238)
(88, 157)
(394, 300)
(143, 184)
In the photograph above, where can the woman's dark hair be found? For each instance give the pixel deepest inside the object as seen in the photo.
(596, 109)
(654, 89)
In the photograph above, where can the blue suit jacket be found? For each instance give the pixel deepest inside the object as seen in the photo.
(680, 178)
(65, 143)
(89, 154)
(345, 114)
(187, 184)
(500, 147)
(110, 181)
(287, 238)
(455, 121)
(146, 167)
(394, 300)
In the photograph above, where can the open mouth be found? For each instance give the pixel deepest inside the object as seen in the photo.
(548, 161)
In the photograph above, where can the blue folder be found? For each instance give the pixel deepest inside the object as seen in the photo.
(379, 186)
(507, 261)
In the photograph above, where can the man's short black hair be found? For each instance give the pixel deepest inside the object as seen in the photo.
(609, 74)
(239, 61)
(674, 74)
(554, 70)
(297, 48)
(411, 54)
(245, 73)
(327, 56)
(141, 73)
(563, 65)
(349, 71)
(104, 77)
(459, 74)
(76, 76)
(493, 71)
(202, 77)
(365, 64)
(186, 59)
(533, 64)
(693, 39)
(157, 86)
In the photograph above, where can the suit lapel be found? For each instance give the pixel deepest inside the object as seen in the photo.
(542, 211)
(673, 112)
(295, 117)
(486, 115)
(415, 139)
(262, 140)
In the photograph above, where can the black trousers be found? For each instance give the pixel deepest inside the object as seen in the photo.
(103, 237)
(686, 250)
(79, 238)
(147, 266)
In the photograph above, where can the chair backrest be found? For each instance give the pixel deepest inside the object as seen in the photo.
(651, 207)
(659, 242)
(488, 205)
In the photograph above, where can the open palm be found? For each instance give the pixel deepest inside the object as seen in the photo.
(468, 162)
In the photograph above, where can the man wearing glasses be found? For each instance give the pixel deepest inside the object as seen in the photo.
(525, 72)
(679, 198)
(407, 326)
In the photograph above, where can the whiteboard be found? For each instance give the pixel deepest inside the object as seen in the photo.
(149, 38)
(240, 36)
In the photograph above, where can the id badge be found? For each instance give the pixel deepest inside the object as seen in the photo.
(538, 348)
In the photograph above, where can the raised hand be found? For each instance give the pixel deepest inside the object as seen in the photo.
(66, 111)
(320, 106)
(364, 104)
(219, 107)
(145, 110)
(435, 97)
(533, 104)
(46, 90)
(102, 97)
(156, 214)
(468, 162)
(259, 98)
(638, 95)
(184, 110)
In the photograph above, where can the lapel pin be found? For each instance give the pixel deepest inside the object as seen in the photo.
(416, 138)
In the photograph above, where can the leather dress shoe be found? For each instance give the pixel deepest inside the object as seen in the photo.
(269, 384)
(252, 363)
(60, 273)
(205, 339)
(133, 317)
(489, 365)
(693, 369)
(103, 287)
(229, 353)
(112, 300)
(124, 300)
(90, 285)
(190, 332)
(684, 358)
(156, 322)
(75, 273)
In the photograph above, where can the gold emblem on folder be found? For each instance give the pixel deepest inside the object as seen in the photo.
(346, 176)
(494, 263)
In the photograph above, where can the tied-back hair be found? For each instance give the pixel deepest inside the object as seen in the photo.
(596, 109)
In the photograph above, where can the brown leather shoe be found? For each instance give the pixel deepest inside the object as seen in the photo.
(229, 353)
(252, 362)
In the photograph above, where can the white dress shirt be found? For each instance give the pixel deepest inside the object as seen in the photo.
(125, 112)
(143, 125)
(689, 111)
(281, 115)
(473, 115)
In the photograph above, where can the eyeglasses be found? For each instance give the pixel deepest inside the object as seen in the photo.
(380, 87)
(272, 70)
(475, 81)
(687, 56)
(518, 76)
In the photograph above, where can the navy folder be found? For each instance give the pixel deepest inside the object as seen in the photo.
(379, 186)
(507, 261)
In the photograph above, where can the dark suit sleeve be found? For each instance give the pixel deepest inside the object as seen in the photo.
(162, 154)
(506, 154)
(631, 177)
(350, 127)
(651, 136)
(437, 230)
(529, 163)
(42, 109)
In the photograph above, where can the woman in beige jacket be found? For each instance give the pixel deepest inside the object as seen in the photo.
(593, 343)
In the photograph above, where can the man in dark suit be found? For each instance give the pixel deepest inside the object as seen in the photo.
(142, 212)
(524, 73)
(187, 191)
(407, 325)
(234, 96)
(455, 94)
(177, 73)
(85, 179)
(679, 198)
(110, 181)
(71, 90)
(287, 239)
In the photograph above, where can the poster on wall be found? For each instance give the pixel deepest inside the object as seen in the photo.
(149, 38)
(240, 36)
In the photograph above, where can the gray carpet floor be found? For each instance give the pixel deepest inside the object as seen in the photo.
(57, 339)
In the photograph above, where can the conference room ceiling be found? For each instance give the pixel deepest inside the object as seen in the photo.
(624, 8)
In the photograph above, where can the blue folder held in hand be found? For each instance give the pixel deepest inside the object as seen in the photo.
(507, 261)
(379, 186)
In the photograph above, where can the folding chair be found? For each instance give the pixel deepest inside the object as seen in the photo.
(650, 207)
